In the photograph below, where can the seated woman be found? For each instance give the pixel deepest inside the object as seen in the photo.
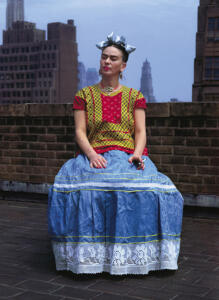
(110, 210)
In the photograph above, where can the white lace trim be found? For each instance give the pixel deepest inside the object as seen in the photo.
(117, 259)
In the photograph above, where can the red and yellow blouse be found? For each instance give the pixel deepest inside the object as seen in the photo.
(110, 118)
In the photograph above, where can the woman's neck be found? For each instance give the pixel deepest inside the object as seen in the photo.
(111, 82)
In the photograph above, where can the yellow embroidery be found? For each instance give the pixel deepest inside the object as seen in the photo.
(154, 241)
(117, 237)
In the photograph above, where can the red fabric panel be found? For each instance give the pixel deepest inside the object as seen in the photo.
(111, 106)
(79, 103)
(140, 103)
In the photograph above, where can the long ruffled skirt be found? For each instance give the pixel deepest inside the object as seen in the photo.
(118, 220)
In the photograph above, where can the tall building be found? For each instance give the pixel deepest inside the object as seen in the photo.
(146, 82)
(206, 65)
(36, 70)
(92, 76)
(82, 80)
(14, 12)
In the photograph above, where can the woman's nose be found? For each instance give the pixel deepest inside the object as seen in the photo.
(107, 60)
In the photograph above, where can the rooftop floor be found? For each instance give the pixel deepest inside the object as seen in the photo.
(27, 269)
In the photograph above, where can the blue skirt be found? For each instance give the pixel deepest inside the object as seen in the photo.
(118, 220)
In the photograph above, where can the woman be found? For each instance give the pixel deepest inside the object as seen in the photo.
(109, 208)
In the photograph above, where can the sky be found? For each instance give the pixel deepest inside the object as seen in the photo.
(163, 32)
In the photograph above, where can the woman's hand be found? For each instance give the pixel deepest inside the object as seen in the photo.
(137, 160)
(97, 161)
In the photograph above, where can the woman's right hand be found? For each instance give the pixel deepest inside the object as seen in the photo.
(97, 161)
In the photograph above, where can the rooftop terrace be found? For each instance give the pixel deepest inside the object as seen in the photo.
(27, 269)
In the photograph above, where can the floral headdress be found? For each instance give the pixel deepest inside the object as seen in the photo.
(116, 40)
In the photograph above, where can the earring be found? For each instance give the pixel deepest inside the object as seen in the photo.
(120, 75)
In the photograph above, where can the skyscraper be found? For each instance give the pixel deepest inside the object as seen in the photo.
(146, 82)
(92, 76)
(36, 70)
(82, 80)
(206, 66)
(14, 12)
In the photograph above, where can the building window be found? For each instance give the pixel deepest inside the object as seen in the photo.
(213, 30)
(213, 24)
(212, 68)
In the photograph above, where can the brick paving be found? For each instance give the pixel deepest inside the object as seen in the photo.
(27, 269)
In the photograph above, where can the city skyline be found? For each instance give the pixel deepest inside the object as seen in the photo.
(167, 41)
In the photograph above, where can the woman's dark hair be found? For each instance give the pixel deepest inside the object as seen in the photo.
(125, 55)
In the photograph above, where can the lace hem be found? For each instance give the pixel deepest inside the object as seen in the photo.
(117, 259)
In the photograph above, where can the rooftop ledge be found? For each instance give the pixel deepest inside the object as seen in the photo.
(164, 110)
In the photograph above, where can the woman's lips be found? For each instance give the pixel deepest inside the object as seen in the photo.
(106, 68)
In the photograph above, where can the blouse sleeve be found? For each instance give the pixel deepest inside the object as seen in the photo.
(79, 101)
(140, 101)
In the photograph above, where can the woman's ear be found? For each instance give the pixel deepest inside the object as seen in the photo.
(123, 66)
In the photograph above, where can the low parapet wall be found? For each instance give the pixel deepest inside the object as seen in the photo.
(183, 140)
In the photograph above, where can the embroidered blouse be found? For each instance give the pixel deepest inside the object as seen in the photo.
(110, 118)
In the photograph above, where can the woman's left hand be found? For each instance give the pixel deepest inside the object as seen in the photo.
(137, 160)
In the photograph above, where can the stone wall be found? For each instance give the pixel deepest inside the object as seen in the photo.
(183, 141)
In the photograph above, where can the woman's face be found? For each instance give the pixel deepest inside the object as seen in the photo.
(111, 63)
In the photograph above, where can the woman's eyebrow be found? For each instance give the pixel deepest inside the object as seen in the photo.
(111, 56)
